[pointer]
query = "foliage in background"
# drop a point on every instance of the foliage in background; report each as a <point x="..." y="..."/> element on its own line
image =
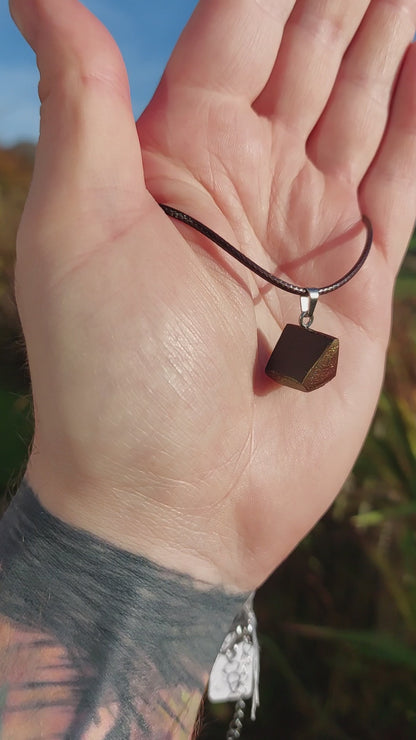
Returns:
<point x="15" y="408"/>
<point x="337" y="620"/>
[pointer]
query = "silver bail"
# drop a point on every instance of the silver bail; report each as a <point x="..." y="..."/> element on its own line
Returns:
<point x="307" y="307"/>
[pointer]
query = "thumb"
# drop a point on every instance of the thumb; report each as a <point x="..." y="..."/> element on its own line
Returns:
<point x="88" y="154"/>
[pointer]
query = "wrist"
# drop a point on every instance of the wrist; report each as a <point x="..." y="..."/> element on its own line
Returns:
<point x="140" y="524"/>
<point x="141" y="638"/>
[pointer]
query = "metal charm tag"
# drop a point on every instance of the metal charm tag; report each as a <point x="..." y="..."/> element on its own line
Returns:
<point x="235" y="674"/>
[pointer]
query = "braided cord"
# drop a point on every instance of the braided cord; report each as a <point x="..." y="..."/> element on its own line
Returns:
<point x="254" y="267"/>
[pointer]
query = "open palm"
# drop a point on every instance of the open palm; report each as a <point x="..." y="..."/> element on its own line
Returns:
<point x="276" y="124"/>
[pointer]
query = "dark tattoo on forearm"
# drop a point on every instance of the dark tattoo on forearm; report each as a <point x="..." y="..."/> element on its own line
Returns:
<point x="95" y="642"/>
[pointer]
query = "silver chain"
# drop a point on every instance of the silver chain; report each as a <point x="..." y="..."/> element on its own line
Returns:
<point x="236" y="724"/>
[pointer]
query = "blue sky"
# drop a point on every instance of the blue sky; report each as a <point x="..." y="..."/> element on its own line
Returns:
<point x="145" y="30"/>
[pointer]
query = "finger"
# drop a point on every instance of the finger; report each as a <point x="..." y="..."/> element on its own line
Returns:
<point x="88" y="140"/>
<point x="349" y="132"/>
<point x="230" y="46"/>
<point x="388" y="192"/>
<point x="315" y="39"/>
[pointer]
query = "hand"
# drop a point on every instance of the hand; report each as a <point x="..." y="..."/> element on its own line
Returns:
<point x="276" y="123"/>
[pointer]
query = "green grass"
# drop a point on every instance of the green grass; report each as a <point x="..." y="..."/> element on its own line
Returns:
<point x="15" y="435"/>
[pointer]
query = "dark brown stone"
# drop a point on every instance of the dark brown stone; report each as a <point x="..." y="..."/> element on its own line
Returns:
<point x="303" y="359"/>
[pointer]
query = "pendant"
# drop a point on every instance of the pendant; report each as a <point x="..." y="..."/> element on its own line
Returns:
<point x="304" y="359"/>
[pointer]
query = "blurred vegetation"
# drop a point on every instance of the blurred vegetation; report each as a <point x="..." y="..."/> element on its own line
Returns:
<point x="15" y="408"/>
<point x="337" y="620"/>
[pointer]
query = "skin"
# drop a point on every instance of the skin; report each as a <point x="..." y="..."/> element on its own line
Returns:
<point x="277" y="124"/>
<point x="40" y="700"/>
<point x="97" y="643"/>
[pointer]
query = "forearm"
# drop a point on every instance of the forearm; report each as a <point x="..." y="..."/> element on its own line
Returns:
<point x="96" y="642"/>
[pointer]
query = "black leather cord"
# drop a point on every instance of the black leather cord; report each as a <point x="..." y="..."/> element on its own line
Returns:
<point x="254" y="267"/>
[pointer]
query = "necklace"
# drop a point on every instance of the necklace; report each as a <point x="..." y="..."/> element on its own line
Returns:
<point x="302" y="358"/>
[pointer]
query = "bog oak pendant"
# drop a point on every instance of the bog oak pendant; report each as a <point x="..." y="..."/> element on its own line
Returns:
<point x="304" y="359"/>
